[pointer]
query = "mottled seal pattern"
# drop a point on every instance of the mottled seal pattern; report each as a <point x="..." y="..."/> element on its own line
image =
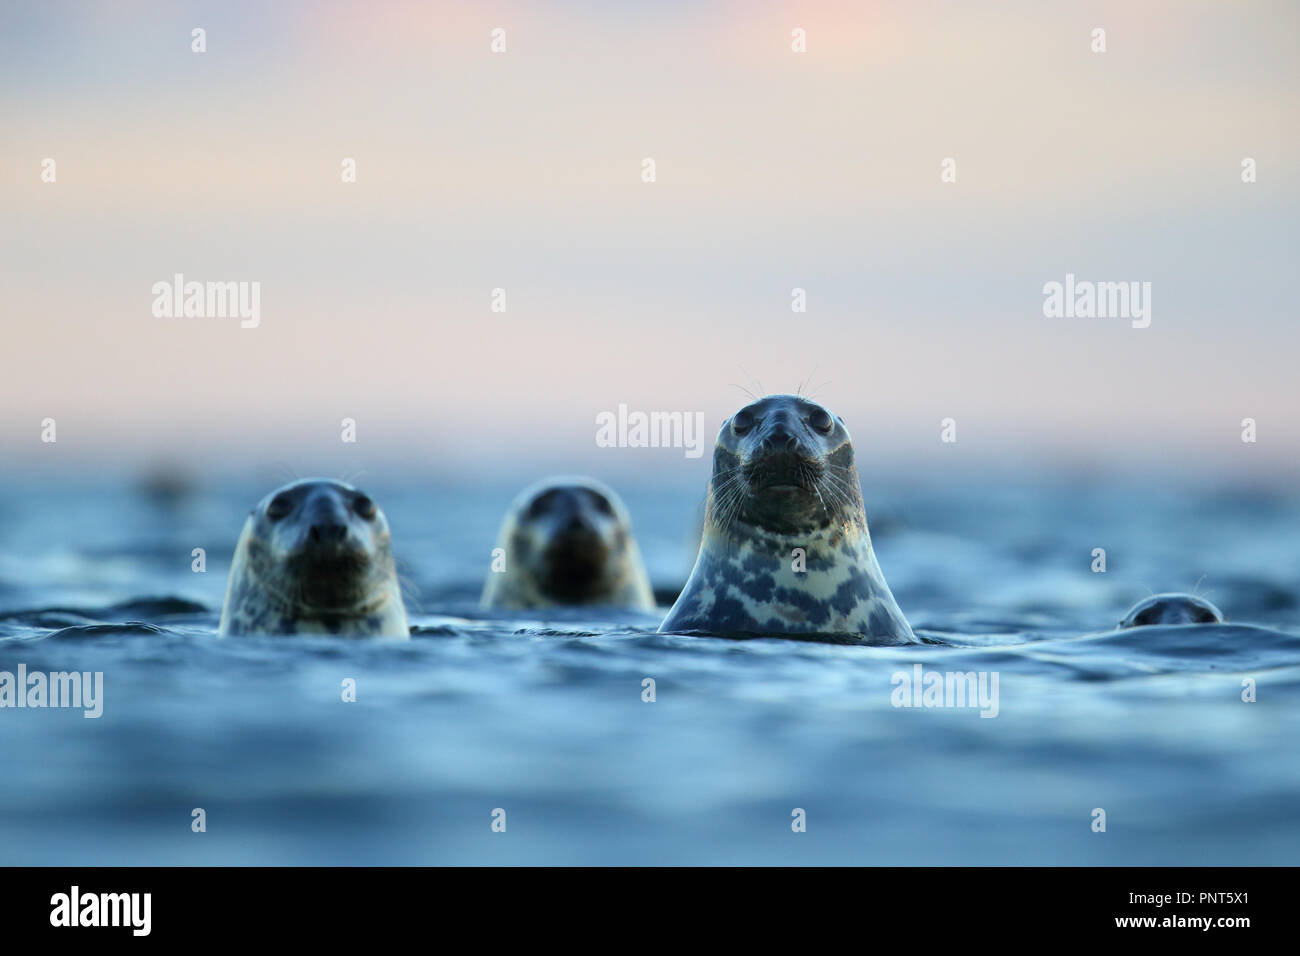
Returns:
<point x="784" y="478"/>
<point x="315" y="557"/>
<point x="568" y="541"/>
<point x="1172" y="609"/>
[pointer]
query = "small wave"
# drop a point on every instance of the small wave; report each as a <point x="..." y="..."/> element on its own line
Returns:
<point x="122" y="612"/>
<point x="96" y="631"/>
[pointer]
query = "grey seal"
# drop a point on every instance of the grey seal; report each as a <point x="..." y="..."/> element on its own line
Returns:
<point x="1172" y="609"/>
<point x="315" y="557"/>
<point x="786" y="550"/>
<point x="568" y="541"/>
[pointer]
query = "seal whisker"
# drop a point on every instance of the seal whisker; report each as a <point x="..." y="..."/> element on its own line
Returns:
<point x="848" y="484"/>
<point x="838" y="494"/>
<point x="822" y="500"/>
<point x="843" y="482"/>
<point x="735" y="482"/>
<point x="804" y="383"/>
<point x="284" y="472"/>
<point x="751" y="378"/>
<point x="839" y="483"/>
<point x="729" y="502"/>
<point x="814" y="392"/>
<point x="407" y="587"/>
<point x="745" y="390"/>
<point x="731" y="481"/>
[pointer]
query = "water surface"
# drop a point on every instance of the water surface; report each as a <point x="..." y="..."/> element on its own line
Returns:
<point x="543" y="716"/>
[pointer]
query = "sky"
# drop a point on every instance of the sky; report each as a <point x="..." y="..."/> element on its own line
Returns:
<point x="523" y="170"/>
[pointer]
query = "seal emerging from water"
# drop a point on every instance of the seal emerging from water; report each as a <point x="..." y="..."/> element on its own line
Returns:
<point x="314" y="557"/>
<point x="786" y="550"/>
<point x="1172" y="609"/>
<point x="568" y="541"/>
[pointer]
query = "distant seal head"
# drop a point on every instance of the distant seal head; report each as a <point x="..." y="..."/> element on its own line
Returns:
<point x="1172" y="609"/>
<point x="567" y="541"/>
<point x="315" y="557"/>
<point x="785" y="549"/>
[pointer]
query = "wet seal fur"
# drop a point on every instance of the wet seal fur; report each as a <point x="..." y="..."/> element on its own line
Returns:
<point x="1172" y="609"/>
<point x="568" y="542"/>
<point x="784" y="478"/>
<point x="315" y="557"/>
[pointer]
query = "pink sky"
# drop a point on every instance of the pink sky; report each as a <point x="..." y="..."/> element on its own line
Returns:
<point x="522" y="171"/>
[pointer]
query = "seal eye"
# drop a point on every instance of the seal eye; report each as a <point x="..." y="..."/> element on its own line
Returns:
<point x="539" y="505"/>
<point x="364" y="507"/>
<point x="821" y="420"/>
<point x="602" y="504"/>
<point x="742" y="422"/>
<point x="279" y="507"/>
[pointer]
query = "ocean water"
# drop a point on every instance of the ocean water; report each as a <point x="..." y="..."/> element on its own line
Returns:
<point x="542" y="715"/>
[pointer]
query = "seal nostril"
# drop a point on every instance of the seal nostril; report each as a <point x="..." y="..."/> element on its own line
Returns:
<point x="327" y="533"/>
<point x="780" y="440"/>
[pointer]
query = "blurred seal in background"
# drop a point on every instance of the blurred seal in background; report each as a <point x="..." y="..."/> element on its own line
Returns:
<point x="567" y="541"/>
<point x="315" y="557"/>
<point x="1172" y="609"/>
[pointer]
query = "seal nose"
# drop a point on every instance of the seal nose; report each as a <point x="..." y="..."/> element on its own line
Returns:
<point x="328" y="531"/>
<point x="780" y="438"/>
<point x="329" y="522"/>
<point x="577" y="523"/>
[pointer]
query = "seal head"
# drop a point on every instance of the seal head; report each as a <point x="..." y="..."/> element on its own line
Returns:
<point x="785" y="549"/>
<point x="1172" y="609"/>
<point x="568" y="541"/>
<point x="315" y="557"/>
